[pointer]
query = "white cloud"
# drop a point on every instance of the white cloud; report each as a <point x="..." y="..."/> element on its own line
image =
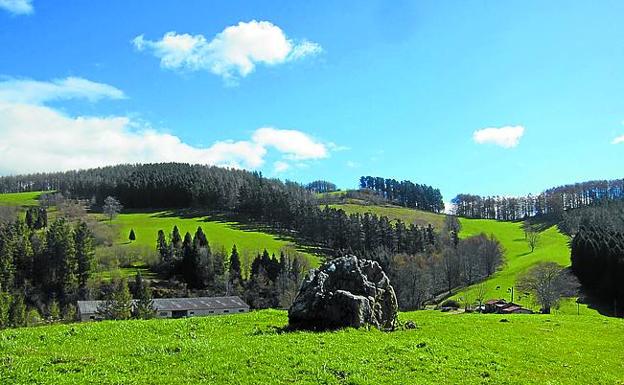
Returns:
<point x="37" y="138"/>
<point x="232" y="53"/>
<point x="352" y="164"/>
<point x="618" y="140"/>
<point x="17" y="7"/>
<point x="38" y="92"/>
<point x="506" y="137"/>
<point x="294" y="144"/>
<point x="280" y="166"/>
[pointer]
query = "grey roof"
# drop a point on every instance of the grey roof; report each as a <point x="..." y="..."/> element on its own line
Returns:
<point x="171" y="304"/>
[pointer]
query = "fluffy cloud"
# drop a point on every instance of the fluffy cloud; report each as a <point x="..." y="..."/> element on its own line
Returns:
<point x="506" y="137"/>
<point x="232" y="53"/>
<point x="38" y="92"/>
<point x="618" y="140"/>
<point x="294" y="144"/>
<point x="17" y="7"/>
<point x="39" y="138"/>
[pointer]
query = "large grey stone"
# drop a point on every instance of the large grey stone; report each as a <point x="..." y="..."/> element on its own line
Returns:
<point x="345" y="292"/>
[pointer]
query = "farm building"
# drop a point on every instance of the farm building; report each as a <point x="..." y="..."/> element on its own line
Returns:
<point x="175" y="307"/>
<point x="500" y="306"/>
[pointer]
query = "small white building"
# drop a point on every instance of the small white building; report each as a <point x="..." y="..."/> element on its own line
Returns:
<point x="175" y="307"/>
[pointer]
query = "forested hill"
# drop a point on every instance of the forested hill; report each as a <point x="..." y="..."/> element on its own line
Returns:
<point x="165" y="185"/>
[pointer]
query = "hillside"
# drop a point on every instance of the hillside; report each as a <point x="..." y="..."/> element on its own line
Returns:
<point x="222" y="233"/>
<point x="249" y="349"/>
<point x="417" y="217"/>
<point x="553" y="246"/>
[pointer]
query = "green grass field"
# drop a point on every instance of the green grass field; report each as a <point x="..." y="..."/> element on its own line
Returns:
<point x="247" y="349"/>
<point x="220" y="233"/>
<point x="552" y="247"/>
<point x="417" y="217"/>
<point x="20" y="199"/>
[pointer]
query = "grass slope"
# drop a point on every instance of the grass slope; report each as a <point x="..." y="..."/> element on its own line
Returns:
<point x="247" y="349"/>
<point x="417" y="217"/>
<point x="220" y="233"/>
<point x="20" y="199"/>
<point x="552" y="247"/>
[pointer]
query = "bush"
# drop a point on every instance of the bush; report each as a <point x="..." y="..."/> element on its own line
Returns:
<point x="450" y="303"/>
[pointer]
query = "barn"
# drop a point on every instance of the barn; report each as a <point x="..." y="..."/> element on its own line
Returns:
<point x="176" y="307"/>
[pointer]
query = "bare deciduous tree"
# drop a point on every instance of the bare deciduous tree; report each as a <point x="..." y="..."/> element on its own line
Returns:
<point x="111" y="207"/>
<point x="548" y="282"/>
<point x="532" y="238"/>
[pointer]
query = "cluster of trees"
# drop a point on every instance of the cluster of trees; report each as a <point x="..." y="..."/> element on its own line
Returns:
<point x="43" y="270"/>
<point x="270" y="282"/>
<point x="191" y="259"/>
<point x="321" y="186"/>
<point x="36" y="218"/>
<point x="405" y="193"/>
<point x="598" y="262"/>
<point x="443" y="266"/>
<point x="553" y="202"/>
<point x="362" y="233"/>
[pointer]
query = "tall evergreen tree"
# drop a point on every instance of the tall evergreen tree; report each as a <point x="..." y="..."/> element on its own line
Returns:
<point x="85" y="255"/>
<point x="144" y="308"/>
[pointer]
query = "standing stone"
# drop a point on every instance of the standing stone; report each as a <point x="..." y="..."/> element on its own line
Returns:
<point x="345" y="292"/>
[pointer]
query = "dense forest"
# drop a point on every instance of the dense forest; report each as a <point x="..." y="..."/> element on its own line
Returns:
<point x="598" y="262"/>
<point x="44" y="269"/>
<point x="552" y="202"/>
<point x="405" y="193"/>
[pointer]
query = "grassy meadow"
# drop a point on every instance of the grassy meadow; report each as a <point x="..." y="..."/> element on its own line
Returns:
<point x="249" y="349"/>
<point x="518" y="258"/>
<point x="20" y="199"/>
<point x="221" y="233"/>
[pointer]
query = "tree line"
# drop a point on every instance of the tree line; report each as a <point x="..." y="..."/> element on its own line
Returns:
<point x="321" y="186"/>
<point x="405" y="193"/>
<point x="553" y="202"/>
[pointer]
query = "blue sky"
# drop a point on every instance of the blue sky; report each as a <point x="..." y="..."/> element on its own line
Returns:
<point x="484" y="97"/>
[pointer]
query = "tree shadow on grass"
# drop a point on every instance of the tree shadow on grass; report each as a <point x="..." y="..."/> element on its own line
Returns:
<point x="244" y="223"/>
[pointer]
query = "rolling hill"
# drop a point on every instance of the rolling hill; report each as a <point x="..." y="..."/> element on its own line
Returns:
<point x="252" y="349"/>
<point x="553" y="246"/>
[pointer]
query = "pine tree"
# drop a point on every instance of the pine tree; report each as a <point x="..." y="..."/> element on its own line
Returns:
<point x="176" y="239"/>
<point x="132" y="236"/>
<point x="163" y="248"/>
<point x="62" y="275"/>
<point x="7" y="267"/>
<point x="118" y="305"/>
<point x="5" y="306"/>
<point x="17" y="312"/>
<point x="30" y="221"/>
<point x="144" y="308"/>
<point x="54" y="312"/>
<point x="85" y="254"/>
